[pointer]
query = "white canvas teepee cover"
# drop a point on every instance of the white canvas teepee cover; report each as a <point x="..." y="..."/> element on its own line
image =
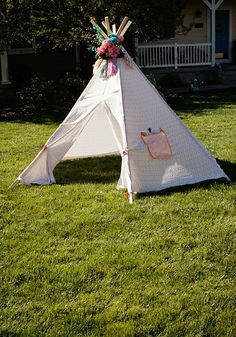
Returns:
<point x="108" y="117"/>
<point x="94" y="126"/>
<point x="145" y="108"/>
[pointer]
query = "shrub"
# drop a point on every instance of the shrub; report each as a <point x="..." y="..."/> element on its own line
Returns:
<point x="154" y="80"/>
<point x="37" y="92"/>
<point x="71" y="86"/>
<point x="40" y="91"/>
<point x="172" y="81"/>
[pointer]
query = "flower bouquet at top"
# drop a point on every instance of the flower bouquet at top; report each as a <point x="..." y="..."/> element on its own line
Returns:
<point x="109" y="50"/>
<point x="110" y="47"/>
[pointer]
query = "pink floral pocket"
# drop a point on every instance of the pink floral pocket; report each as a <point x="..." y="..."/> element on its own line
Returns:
<point x="158" y="145"/>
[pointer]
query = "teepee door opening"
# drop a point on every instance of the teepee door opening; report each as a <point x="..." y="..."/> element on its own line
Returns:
<point x="96" y="137"/>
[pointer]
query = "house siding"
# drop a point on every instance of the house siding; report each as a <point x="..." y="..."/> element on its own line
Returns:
<point x="231" y="4"/>
<point x="201" y="35"/>
<point x="234" y="21"/>
<point x="194" y="35"/>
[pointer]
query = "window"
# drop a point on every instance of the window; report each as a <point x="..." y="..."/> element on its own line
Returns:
<point x="198" y="25"/>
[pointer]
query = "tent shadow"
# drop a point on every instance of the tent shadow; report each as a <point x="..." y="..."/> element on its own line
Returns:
<point x="184" y="188"/>
<point x="228" y="167"/>
<point x="36" y="118"/>
<point x="106" y="169"/>
<point x="4" y="333"/>
<point x="203" y="101"/>
<point x="94" y="170"/>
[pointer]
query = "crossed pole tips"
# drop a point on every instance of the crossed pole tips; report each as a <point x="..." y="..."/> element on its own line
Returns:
<point x="124" y="26"/>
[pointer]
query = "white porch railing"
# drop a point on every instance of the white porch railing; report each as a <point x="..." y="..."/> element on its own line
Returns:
<point x="174" y="55"/>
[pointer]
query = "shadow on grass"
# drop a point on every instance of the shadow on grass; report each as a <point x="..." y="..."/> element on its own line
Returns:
<point x="229" y="168"/>
<point x="184" y="188"/>
<point x="95" y="170"/>
<point x="202" y="103"/>
<point x="102" y="170"/>
<point x="4" y="333"/>
<point x="48" y="115"/>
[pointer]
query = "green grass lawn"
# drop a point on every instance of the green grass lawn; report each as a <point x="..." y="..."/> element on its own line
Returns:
<point x="78" y="260"/>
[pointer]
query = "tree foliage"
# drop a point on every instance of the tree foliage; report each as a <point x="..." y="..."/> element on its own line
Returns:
<point x="16" y="22"/>
<point x="61" y="23"/>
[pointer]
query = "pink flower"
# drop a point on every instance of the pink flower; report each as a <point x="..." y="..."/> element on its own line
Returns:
<point x="101" y="50"/>
<point x="113" y="51"/>
<point x="121" y="38"/>
<point x="108" y="43"/>
<point x="108" y="48"/>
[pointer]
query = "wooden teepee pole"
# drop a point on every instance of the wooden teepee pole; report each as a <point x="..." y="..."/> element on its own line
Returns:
<point x="122" y="25"/>
<point x="124" y="30"/>
<point x="98" y="28"/>
<point x="108" y="25"/>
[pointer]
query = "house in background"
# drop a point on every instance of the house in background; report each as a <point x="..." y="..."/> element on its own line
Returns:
<point x="207" y="38"/>
<point x="18" y="63"/>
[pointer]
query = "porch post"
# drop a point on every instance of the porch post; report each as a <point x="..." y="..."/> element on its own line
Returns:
<point x="213" y="33"/>
<point x="77" y="56"/>
<point x="176" y="55"/>
<point x="4" y="68"/>
<point x="213" y="5"/>
<point x="136" y="50"/>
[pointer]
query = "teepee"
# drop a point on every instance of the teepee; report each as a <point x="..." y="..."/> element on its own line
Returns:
<point x="120" y="111"/>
